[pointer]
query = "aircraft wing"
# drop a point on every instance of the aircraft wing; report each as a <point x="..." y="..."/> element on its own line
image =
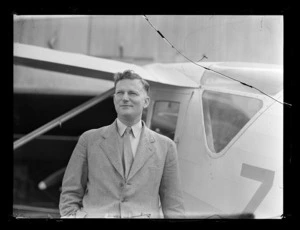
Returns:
<point x="87" y="66"/>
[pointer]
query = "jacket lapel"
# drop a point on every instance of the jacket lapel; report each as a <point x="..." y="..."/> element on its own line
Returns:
<point x="144" y="151"/>
<point x="111" y="146"/>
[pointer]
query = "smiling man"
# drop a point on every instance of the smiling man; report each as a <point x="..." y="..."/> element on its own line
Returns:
<point x="124" y="170"/>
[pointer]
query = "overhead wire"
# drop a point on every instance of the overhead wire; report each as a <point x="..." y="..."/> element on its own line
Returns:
<point x="243" y="83"/>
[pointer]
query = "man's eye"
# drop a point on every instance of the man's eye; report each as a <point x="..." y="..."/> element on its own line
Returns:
<point x="133" y="93"/>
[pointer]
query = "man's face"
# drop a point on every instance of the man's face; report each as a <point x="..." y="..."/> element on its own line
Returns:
<point x="130" y="99"/>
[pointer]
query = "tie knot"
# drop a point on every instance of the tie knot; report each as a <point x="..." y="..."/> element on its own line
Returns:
<point x="128" y="130"/>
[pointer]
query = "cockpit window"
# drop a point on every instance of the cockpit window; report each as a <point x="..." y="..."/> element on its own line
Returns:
<point x="164" y="118"/>
<point x="225" y="115"/>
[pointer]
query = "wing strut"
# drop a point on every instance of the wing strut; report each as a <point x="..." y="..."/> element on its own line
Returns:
<point x="59" y="120"/>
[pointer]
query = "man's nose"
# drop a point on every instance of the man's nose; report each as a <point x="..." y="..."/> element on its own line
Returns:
<point x="125" y="97"/>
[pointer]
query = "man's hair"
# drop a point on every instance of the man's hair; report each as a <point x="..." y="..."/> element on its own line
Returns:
<point x="129" y="74"/>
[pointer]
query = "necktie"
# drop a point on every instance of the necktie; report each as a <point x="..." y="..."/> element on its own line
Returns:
<point x="127" y="152"/>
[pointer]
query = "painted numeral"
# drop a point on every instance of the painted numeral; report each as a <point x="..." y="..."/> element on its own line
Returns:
<point x="265" y="176"/>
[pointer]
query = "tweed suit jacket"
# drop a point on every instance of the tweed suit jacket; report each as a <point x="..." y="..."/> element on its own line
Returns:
<point x="94" y="185"/>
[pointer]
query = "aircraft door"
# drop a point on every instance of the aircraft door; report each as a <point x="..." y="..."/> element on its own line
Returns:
<point x="166" y="111"/>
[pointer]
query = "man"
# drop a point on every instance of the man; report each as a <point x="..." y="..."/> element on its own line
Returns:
<point x="120" y="172"/>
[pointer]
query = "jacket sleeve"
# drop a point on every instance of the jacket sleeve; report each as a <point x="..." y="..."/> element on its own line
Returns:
<point x="170" y="190"/>
<point x="74" y="180"/>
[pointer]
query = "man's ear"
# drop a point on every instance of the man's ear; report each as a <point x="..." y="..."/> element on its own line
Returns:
<point x="147" y="102"/>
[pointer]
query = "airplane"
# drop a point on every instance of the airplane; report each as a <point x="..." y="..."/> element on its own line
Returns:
<point x="229" y="136"/>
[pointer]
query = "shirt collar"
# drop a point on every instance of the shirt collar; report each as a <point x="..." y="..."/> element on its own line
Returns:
<point x="136" y="129"/>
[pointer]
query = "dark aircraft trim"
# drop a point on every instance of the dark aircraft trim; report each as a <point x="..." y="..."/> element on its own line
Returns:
<point x="62" y="68"/>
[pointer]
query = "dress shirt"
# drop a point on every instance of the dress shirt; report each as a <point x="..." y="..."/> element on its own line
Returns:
<point x="136" y="131"/>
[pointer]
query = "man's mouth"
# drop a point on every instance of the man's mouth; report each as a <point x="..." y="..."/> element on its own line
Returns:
<point x="126" y="106"/>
